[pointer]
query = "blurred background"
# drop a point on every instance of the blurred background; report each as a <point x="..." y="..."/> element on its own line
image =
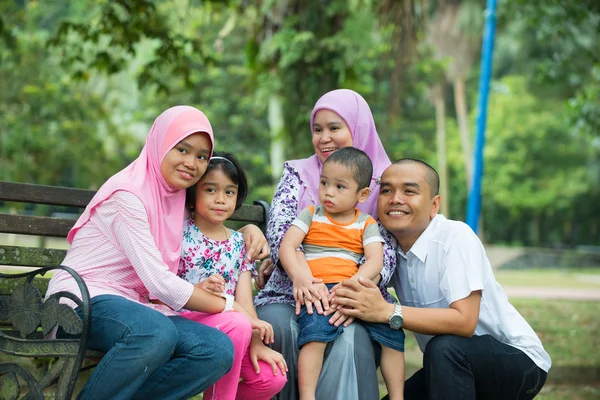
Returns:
<point x="81" y="83"/>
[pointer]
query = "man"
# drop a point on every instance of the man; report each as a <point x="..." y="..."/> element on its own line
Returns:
<point x="475" y="343"/>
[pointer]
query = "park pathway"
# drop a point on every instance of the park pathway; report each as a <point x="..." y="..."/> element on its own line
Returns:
<point x="525" y="292"/>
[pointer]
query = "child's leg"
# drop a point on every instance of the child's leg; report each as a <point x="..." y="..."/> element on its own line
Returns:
<point x="392" y="369"/>
<point x="310" y="362"/>
<point x="261" y="386"/>
<point x="239" y="330"/>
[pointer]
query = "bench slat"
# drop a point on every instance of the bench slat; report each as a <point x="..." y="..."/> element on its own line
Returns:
<point x="34" y="225"/>
<point x="31" y="256"/>
<point x="42" y="194"/>
<point x="59" y="227"/>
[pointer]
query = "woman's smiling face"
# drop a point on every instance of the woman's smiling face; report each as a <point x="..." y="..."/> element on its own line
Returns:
<point x="329" y="133"/>
<point x="186" y="162"/>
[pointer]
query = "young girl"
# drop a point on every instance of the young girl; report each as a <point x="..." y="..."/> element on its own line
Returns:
<point x="213" y="258"/>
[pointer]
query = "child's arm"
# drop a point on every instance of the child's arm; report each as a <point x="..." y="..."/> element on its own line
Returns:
<point x="374" y="262"/>
<point x="243" y="303"/>
<point x="299" y="274"/>
<point x="258" y="350"/>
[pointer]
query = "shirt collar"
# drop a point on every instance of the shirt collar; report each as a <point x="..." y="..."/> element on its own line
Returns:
<point x="419" y="248"/>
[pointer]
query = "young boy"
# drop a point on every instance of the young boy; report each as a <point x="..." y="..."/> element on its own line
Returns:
<point x="335" y="235"/>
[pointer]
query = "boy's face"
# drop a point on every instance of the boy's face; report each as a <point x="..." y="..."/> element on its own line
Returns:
<point x="338" y="191"/>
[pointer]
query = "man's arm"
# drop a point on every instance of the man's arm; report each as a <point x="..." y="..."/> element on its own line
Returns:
<point x="364" y="300"/>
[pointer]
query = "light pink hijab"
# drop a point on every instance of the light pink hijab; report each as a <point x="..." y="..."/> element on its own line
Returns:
<point x="356" y="113"/>
<point x="164" y="205"/>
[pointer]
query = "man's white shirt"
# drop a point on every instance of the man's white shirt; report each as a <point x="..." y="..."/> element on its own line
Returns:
<point x="446" y="264"/>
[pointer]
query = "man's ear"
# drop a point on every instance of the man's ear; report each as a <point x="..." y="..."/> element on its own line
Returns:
<point x="435" y="206"/>
<point x="363" y="194"/>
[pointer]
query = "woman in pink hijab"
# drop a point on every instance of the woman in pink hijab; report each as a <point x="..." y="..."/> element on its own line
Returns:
<point x="126" y="247"/>
<point x="339" y="119"/>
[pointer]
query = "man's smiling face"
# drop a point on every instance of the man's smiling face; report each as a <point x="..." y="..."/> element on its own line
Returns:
<point x="405" y="204"/>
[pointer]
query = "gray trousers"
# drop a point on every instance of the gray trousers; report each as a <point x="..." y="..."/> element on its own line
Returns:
<point x="349" y="368"/>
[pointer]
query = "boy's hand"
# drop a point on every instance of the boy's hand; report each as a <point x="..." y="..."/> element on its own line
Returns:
<point x="305" y="292"/>
<point x="321" y="305"/>
<point x="258" y="351"/>
<point x="214" y="284"/>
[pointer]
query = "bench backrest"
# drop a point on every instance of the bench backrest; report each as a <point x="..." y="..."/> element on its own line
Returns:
<point x="19" y="256"/>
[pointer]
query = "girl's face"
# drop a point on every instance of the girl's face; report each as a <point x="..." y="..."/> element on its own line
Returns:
<point x="216" y="196"/>
<point x="185" y="163"/>
<point x="330" y="133"/>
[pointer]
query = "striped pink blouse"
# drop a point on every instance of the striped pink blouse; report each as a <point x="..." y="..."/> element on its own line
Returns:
<point x="115" y="253"/>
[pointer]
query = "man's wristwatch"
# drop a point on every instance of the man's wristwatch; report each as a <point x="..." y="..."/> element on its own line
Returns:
<point x="396" y="319"/>
<point x="228" y="302"/>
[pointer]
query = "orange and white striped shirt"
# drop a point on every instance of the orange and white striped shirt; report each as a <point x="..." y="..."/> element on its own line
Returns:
<point x="334" y="250"/>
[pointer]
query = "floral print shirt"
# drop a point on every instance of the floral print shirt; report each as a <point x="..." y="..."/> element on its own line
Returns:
<point x="202" y="257"/>
<point x="284" y="208"/>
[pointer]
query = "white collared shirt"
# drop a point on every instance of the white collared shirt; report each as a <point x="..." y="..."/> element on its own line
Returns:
<point x="446" y="264"/>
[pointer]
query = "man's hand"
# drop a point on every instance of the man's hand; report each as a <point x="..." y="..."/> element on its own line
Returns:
<point x="362" y="300"/>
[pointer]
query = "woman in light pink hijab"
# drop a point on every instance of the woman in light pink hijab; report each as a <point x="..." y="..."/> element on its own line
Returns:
<point x="126" y="247"/>
<point x="340" y="118"/>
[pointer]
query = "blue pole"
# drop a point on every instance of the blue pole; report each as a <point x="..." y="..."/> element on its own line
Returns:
<point x="474" y="202"/>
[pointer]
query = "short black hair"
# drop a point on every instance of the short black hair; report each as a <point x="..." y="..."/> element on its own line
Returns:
<point x="432" y="178"/>
<point x="358" y="161"/>
<point x="232" y="169"/>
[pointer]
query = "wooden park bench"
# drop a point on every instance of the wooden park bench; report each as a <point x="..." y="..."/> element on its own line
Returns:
<point x="25" y="318"/>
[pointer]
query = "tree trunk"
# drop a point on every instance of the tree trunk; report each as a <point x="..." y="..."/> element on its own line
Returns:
<point x="276" y="124"/>
<point x="460" y="104"/>
<point x="437" y="97"/>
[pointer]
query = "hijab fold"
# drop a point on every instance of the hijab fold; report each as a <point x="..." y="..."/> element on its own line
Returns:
<point x="355" y="111"/>
<point x="143" y="178"/>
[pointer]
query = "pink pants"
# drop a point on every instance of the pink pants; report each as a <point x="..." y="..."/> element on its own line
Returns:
<point x="261" y="386"/>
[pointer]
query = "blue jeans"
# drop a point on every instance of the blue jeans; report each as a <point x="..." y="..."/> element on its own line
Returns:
<point x="479" y="367"/>
<point x="152" y="356"/>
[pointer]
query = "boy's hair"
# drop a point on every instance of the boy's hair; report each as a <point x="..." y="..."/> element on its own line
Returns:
<point x="357" y="161"/>
<point x="231" y="167"/>
<point x="432" y="178"/>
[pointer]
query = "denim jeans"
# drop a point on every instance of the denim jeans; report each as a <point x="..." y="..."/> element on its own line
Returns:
<point x="152" y="356"/>
<point x="479" y="367"/>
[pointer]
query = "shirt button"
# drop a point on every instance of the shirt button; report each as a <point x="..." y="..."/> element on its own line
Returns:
<point x="412" y="280"/>
<point x="410" y="264"/>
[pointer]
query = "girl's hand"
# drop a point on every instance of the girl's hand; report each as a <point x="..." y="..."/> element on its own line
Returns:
<point x="257" y="247"/>
<point x="265" y="269"/>
<point x="214" y="284"/>
<point x="258" y="351"/>
<point x="264" y="329"/>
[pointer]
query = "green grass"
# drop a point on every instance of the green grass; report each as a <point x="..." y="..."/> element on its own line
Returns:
<point x="577" y="278"/>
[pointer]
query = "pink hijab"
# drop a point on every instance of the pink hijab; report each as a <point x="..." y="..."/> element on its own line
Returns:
<point x="164" y="205"/>
<point x="356" y="113"/>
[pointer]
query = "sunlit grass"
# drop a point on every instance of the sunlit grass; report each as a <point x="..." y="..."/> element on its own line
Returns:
<point x="582" y="278"/>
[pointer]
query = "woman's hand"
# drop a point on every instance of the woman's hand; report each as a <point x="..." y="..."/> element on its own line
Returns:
<point x="265" y="269"/>
<point x="264" y="329"/>
<point x="257" y="247"/>
<point x="258" y="351"/>
<point x="214" y="284"/>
